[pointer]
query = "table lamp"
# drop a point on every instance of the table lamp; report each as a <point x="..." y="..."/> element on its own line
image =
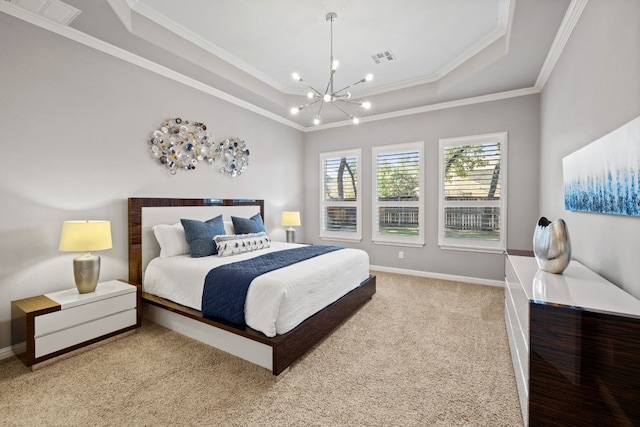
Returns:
<point x="86" y="236"/>
<point x="290" y="219"/>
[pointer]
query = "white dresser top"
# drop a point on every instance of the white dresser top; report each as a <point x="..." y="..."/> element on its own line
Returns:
<point x="577" y="287"/>
<point x="71" y="297"/>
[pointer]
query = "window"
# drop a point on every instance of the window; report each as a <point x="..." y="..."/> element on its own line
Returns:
<point x="398" y="183"/>
<point x="472" y="207"/>
<point x="340" y="201"/>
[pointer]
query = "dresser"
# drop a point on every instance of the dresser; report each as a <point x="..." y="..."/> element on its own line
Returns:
<point x="49" y="325"/>
<point x="575" y="345"/>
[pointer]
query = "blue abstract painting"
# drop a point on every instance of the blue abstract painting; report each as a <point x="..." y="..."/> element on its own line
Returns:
<point x="604" y="176"/>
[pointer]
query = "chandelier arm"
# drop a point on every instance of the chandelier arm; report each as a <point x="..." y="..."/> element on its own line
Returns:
<point x="332" y="70"/>
<point x="310" y="87"/>
<point x="308" y="104"/>
<point x="358" y="103"/>
<point x="329" y="88"/>
<point x="346" y="114"/>
<point x="350" y="86"/>
<point x="318" y="94"/>
<point x="320" y="109"/>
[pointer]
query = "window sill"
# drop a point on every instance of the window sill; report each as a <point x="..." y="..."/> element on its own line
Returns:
<point x="405" y="244"/>
<point x="340" y="239"/>
<point x="473" y="249"/>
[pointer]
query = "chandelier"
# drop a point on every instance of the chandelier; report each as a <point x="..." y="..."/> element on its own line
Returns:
<point x="331" y="96"/>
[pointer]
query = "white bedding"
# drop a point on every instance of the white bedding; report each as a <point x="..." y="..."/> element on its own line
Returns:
<point x="277" y="301"/>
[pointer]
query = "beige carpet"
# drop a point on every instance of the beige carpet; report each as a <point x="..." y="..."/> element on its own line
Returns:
<point x="422" y="352"/>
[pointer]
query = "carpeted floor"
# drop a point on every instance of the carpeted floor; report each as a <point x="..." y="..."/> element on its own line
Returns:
<point x="422" y="352"/>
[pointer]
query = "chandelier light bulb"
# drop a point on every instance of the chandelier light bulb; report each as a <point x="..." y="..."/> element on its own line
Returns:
<point x="355" y="120"/>
<point x="327" y="97"/>
<point x="295" y="110"/>
<point x="368" y="77"/>
<point x="316" y="120"/>
<point x="366" y="105"/>
<point x="296" y="77"/>
<point x="310" y="95"/>
<point x="335" y="64"/>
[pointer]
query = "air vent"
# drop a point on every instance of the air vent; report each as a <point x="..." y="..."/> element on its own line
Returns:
<point x="381" y="57"/>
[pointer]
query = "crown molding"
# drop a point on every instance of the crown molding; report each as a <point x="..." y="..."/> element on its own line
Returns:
<point x="562" y="36"/>
<point x="503" y="28"/>
<point x="104" y="47"/>
<point x="201" y="42"/>
<point x="432" y="107"/>
<point x="72" y="34"/>
<point x="452" y="65"/>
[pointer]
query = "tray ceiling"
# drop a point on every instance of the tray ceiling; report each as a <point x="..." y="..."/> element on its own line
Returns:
<point x="421" y="52"/>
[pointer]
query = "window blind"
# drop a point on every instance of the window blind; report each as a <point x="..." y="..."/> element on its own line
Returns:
<point x="472" y="206"/>
<point x="340" y="206"/>
<point x="397" y="213"/>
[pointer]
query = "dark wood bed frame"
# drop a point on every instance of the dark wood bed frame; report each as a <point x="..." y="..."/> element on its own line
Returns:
<point x="286" y="348"/>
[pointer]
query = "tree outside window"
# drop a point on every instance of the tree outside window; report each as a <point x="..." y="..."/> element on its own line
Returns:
<point x="472" y="208"/>
<point x="340" y="204"/>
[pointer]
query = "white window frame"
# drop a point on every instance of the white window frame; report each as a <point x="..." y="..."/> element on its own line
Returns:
<point x="498" y="246"/>
<point x="342" y="235"/>
<point x="397" y="240"/>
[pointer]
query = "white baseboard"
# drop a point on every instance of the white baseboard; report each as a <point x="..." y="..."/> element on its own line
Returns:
<point x="7" y="352"/>
<point x="476" y="280"/>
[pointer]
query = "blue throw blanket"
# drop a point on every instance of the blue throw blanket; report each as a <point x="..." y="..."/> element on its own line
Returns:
<point x="226" y="287"/>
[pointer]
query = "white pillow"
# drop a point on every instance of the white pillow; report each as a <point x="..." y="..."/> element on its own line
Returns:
<point x="172" y="239"/>
<point x="240" y="243"/>
<point x="228" y="227"/>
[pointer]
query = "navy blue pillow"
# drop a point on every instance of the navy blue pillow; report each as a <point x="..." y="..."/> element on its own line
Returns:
<point x="200" y="235"/>
<point x="248" y="225"/>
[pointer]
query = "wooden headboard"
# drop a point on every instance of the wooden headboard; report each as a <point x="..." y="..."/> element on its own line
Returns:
<point x="146" y="212"/>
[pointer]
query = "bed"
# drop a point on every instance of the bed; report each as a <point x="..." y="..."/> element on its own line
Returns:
<point x="275" y="346"/>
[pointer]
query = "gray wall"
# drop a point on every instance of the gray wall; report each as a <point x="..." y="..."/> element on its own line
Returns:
<point x="594" y="89"/>
<point x="75" y="144"/>
<point x="518" y="116"/>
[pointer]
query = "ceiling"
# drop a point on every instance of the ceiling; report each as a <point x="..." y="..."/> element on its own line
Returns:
<point x="440" y="50"/>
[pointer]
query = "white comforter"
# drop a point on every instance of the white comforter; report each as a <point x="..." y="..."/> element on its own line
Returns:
<point x="277" y="301"/>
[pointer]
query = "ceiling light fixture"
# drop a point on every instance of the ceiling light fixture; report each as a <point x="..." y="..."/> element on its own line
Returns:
<point x="331" y="96"/>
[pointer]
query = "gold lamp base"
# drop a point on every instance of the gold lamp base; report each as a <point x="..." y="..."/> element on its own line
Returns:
<point x="86" y="271"/>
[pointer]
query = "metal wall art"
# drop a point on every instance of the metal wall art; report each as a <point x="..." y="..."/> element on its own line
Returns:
<point x="235" y="156"/>
<point x="179" y="144"/>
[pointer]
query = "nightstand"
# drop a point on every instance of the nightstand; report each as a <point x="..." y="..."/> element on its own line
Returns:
<point x="59" y="322"/>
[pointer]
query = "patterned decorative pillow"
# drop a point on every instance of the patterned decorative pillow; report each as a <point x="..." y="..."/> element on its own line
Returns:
<point x="240" y="243"/>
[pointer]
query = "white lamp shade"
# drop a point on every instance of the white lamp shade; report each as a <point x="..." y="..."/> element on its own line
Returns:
<point x="85" y="236"/>
<point x="290" y="219"/>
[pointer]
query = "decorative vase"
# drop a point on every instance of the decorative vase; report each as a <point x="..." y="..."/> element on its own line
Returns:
<point x="551" y="245"/>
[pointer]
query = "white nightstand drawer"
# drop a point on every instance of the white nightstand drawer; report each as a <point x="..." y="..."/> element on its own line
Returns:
<point x="63" y="319"/>
<point x="86" y="331"/>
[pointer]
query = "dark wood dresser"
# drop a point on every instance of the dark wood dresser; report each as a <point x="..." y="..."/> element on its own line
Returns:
<point x="575" y="344"/>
